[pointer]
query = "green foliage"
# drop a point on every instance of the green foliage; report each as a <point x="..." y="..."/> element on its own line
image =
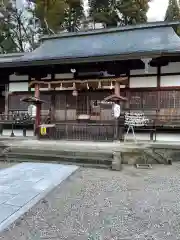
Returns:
<point x="17" y="34"/>
<point x="133" y="11"/>
<point x="73" y="15"/>
<point x="103" y="11"/>
<point x="173" y="14"/>
<point x="173" y="11"/>
<point x="50" y="14"/>
<point x="122" y="12"/>
<point x="58" y="15"/>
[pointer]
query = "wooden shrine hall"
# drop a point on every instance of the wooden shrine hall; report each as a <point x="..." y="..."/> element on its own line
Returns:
<point x="76" y="78"/>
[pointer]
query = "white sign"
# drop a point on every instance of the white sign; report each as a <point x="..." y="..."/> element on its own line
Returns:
<point x="116" y="110"/>
<point x="135" y="119"/>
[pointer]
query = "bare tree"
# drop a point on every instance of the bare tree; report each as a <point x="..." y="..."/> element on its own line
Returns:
<point x="19" y="32"/>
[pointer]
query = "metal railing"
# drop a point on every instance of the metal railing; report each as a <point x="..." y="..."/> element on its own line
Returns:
<point x="20" y="117"/>
<point x="82" y="131"/>
<point x="90" y="131"/>
<point x="19" y="120"/>
<point x="106" y="131"/>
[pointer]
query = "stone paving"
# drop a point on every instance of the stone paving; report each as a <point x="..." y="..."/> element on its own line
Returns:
<point x="23" y="185"/>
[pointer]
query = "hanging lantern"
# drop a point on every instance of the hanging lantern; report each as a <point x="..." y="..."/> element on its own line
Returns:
<point x="75" y="93"/>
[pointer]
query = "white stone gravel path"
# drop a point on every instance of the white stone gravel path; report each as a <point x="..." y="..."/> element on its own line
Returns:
<point x="23" y="185"/>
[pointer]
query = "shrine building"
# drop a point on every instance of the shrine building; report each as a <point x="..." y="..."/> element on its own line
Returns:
<point x="79" y="75"/>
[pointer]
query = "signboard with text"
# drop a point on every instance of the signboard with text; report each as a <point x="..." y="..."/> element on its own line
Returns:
<point x="135" y="119"/>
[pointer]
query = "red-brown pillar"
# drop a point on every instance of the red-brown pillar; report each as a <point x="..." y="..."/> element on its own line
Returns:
<point x="38" y="108"/>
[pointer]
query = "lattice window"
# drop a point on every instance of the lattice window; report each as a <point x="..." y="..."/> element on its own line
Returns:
<point x="60" y="101"/>
<point x="47" y="99"/>
<point x="169" y="99"/>
<point x="136" y="100"/>
<point x="150" y="100"/>
<point x="15" y="103"/>
<point x="71" y="101"/>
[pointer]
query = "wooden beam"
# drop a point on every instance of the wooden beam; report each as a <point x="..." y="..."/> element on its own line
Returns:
<point x="121" y="79"/>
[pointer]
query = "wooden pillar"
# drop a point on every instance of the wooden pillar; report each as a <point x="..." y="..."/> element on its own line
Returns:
<point x="119" y="123"/>
<point x="158" y="94"/>
<point x="6" y="108"/>
<point x="117" y="88"/>
<point x="38" y="108"/>
<point x="116" y="123"/>
<point x="52" y="107"/>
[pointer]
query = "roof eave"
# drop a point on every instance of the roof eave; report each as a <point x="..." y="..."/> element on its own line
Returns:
<point x="42" y="62"/>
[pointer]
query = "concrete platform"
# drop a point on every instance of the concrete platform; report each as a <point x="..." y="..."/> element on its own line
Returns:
<point x="85" y="146"/>
<point x="168" y="137"/>
<point x="23" y="185"/>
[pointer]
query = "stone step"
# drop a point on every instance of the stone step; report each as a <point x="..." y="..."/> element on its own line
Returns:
<point x="73" y="157"/>
<point x="58" y="159"/>
<point x="63" y="154"/>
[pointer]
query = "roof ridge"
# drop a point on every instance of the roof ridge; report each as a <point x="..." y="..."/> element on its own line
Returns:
<point x="110" y="30"/>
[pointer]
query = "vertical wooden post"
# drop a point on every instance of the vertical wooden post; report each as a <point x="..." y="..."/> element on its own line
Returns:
<point x="53" y="99"/>
<point x="52" y="107"/>
<point x="117" y="88"/>
<point x="116" y="129"/>
<point x="119" y="123"/>
<point x="38" y="108"/>
<point x="116" y="124"/>
<point x="6" y="109"/>
<point x="158" y="94"/>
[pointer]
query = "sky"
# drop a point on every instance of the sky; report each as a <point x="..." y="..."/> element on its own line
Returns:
<point x="157" y="10"/>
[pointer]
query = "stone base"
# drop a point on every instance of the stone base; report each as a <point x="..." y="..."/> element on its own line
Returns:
<point x="117" y="161"/>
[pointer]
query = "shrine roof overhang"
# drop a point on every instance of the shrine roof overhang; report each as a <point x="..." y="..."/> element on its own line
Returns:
<point x="9" y="58"/>
<point x="150" y="40"/>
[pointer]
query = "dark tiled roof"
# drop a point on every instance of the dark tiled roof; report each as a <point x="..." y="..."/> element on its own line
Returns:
<point x="148" y="40"/>
<point x="10" y="57"/>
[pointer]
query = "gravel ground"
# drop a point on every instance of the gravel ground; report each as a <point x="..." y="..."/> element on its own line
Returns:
<point x="102" y="204"/>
